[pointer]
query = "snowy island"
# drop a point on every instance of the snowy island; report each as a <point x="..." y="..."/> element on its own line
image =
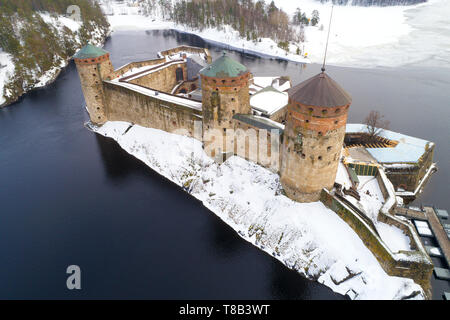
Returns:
<point x="272" y="168"/>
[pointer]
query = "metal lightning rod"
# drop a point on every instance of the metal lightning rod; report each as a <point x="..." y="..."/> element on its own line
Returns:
<point x="328" y="38"/>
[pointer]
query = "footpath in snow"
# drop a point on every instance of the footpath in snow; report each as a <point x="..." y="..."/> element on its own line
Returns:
<point x="307" y="237"/>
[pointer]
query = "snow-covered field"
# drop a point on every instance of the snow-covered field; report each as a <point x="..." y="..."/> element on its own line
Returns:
<point x="246" y="196"/>
<point x="360" y="36"/>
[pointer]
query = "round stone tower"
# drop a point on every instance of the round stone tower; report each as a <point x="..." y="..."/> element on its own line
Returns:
<point x="313" y="137"/>
<point x="225" y="93"/>
<point x="93" y="65"/>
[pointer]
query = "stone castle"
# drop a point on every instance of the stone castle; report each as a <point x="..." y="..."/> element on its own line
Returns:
<point x="181" y="87"/>
<point x="300" y="130"/>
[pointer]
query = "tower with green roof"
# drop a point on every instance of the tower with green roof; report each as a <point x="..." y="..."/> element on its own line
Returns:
<point x="225" y="92"/>
<point x="93" y="66"/>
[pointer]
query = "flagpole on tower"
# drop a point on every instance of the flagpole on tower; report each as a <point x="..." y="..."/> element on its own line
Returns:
<point x="328" y="38"/>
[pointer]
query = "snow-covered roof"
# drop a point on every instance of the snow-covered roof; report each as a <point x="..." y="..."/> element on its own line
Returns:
<point x="408" y="149"/>
<point x="279" y="83"/>
<point x="159" y="95"/>
<point x="269" y="100"/>
<point x="259" y="122"/>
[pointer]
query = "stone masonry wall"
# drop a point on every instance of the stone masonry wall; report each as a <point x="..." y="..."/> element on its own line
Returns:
<point x="123" y="104"/>
<point x="163" y="79"/>
<point x="417" y="269"/>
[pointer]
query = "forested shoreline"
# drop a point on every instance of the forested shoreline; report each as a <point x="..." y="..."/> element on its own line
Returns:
<point x="380" y="3"/>
<point x="32" y="33"/>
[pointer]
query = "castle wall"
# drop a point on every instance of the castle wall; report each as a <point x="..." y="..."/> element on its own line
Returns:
<point x="163" y="79"/>
<point x="222" y="98"/>
<point x="280" y="115"/>
<point x="123" y="104"/>
<point x="187" y="86"/>
<point x="418" y="267"/>
<point x="187" y="49"/>
<point x="409" y="178"/>
<point x="256" y="145"/>
<point x="132" y="65"/>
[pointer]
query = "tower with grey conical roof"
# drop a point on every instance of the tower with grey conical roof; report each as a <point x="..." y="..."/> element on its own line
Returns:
<point x="313" y="137"/>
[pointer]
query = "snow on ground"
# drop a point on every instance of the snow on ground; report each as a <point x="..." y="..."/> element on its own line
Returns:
<point x="246" y="196"/>
<point x="371" y="201"/>
<point x="60" y="21"/>
<point x="353" y="29"/>
<point x="6" y="70"/>
<point x="379" y="36"/>
<point x="342" y="176"/>
<point x="360" y="37"/>
<point x="395" y="238"/>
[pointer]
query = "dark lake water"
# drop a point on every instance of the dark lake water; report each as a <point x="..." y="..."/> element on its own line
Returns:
<point x="68" y="196"/>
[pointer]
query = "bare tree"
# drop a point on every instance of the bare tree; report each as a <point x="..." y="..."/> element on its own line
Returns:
<point x="375" y="123"/>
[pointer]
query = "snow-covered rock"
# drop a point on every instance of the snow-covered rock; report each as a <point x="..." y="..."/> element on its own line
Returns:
<point x="307" y="237"/>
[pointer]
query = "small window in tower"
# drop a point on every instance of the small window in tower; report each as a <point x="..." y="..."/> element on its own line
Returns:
<point x="235" y="89"/>
<point x="320" y="133"/>
<point x="223" y="81"/>
<point x="94" y="74"/>
<point x="232" y="99"/>
<point x="320" y="158"/>
<point x="224" y="129"/>
<point x="324" y="111"/>
<point x="98" y="108"/>
<point x="336" y="122"/>
<point x="328" y="149"/>
<point x="303" y="156"/>
<point x="289" y="149"/>
<point x="338" y="110"/>
<point x="310" y="109"/>
<point x="232" y="111"/>
<point x="307" y="121"/>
